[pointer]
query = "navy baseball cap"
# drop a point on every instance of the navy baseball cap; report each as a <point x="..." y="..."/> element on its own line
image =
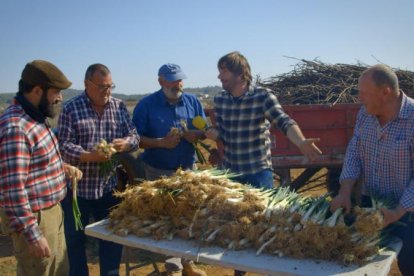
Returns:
<point x="171" y="72"/>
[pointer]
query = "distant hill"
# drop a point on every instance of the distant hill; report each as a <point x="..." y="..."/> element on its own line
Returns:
<point x="208" y="91"/>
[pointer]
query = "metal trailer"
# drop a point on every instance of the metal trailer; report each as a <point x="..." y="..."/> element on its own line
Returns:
<point x="334" y="126"/>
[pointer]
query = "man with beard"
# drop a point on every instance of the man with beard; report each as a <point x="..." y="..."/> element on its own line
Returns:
<point x="244" y="115"/>
<point x="84" y="121"/>
<point x="165" y="150"/>
<point x="32" y="174"/>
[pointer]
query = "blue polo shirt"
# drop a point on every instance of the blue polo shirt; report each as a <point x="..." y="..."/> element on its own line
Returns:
<point x="154" y="116"/>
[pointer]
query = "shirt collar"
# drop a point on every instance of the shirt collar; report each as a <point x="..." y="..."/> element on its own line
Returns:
<point x="250" y="92"/>
<point x="404" y="109"/>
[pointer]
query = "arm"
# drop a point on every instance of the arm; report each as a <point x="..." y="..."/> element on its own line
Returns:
<point x="406" y="203"/>
<point x="168" y="142"/>
<point x="393" y="215"/>
<point x="343" y="199"/>
<point x="15" y="164"/>
<point x="130" y="139"/>
<point x="275" y="114"/>
<point x="306" y="145"/>
<point x="351" y="172"/>
<point x="71" y="151"/>
<point x="141" y="120"/>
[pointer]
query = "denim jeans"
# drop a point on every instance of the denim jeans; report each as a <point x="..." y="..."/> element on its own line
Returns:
<point x="262" y="179"/>
<point x="109" y="253"/>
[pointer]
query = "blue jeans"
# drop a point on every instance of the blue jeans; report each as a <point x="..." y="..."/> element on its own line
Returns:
<point x="262" y="179"/>
<point x="109" y="253"/>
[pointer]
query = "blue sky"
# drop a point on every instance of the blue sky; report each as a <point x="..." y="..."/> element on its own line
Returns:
<point x="134" y="38"/>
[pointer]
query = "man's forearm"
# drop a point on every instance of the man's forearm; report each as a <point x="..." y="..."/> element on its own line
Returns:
<point x="147" y="143"/>
<point x="346" y="187"/>
<point x="295" y="135"/>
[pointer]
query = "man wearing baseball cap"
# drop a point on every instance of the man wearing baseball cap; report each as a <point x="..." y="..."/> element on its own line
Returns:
<point x="32" y="174"/>
<point x="164" y="150"/>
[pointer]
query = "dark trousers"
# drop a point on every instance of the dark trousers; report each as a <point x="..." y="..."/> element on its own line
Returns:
<point x="109" y="253"/>
<point x="406" y="233"/>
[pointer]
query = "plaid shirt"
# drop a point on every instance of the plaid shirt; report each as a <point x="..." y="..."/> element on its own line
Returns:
<point x="383" y="156"/>
<point x="31" y="171"/>
<point x="244" y="127"/>
<point x="81" y="129"/>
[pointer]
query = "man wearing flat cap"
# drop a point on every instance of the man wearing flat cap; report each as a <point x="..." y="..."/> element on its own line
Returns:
<point x="32" y="174"/>
<point x="155" y="116"/>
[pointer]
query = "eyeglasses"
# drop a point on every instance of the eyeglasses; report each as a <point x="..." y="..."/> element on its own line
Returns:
<point x="103" y="88"/>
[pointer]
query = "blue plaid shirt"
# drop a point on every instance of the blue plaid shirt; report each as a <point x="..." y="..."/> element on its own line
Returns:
<point x="383" y="156"/>
<point x="80" y="130"/>
<point x="244" y="127"/>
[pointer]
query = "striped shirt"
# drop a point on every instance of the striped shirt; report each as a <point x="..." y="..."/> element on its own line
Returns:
<point x="81" y="129"/>
<point x="383" y="156"/>
<point x="31" y="170"/>
<point x="244" y="127"/>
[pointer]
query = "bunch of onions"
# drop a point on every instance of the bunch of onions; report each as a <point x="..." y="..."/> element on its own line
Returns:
<point x="207" y="207"/>
<point x="107" y="168"/>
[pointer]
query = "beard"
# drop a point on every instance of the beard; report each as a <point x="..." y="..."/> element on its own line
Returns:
<point x="50" y="110"/>
<point x="173" y="93"/>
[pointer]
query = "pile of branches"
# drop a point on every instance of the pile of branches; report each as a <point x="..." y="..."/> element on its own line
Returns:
<point x="315" y="82"/>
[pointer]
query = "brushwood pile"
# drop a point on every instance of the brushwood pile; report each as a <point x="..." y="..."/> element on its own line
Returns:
<point x="315" y="82"/>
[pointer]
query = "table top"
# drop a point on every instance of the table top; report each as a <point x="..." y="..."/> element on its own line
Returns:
<point x="247" y="260"/>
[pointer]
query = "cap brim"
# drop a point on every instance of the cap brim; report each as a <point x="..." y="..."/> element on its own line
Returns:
<point x="175" y="77"/>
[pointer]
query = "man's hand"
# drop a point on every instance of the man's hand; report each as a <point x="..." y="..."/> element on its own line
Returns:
<point x="212" y="134"/>
<point x="72" y="172"/>
<point x="170" y="141"/>
<point x="121" y="145"/>
<point x="40" y="248"/>
<point x="192" y="136"/>
<point x="309" y="149"/>
<point x="392" y="215"/>
<point x="341" y="201"/>
<point x="214" y="157"/>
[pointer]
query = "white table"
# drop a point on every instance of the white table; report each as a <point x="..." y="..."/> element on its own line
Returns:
<point x="247" y="260"/>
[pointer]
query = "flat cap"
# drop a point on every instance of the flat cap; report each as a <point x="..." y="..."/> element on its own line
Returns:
<point x="42" y="72"/>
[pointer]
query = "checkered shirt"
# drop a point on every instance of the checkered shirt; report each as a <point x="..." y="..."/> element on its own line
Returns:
<point x="244" y="127"/>
<point x="383" y="156"/>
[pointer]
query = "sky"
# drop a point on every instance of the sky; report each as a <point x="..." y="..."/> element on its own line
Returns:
<point x="135" y="37"/>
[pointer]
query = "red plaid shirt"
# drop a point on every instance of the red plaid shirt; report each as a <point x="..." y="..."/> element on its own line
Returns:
<point x="31" y="170"/>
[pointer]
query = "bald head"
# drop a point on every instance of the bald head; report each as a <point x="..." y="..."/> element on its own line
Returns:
<point x="382" y="75"/>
